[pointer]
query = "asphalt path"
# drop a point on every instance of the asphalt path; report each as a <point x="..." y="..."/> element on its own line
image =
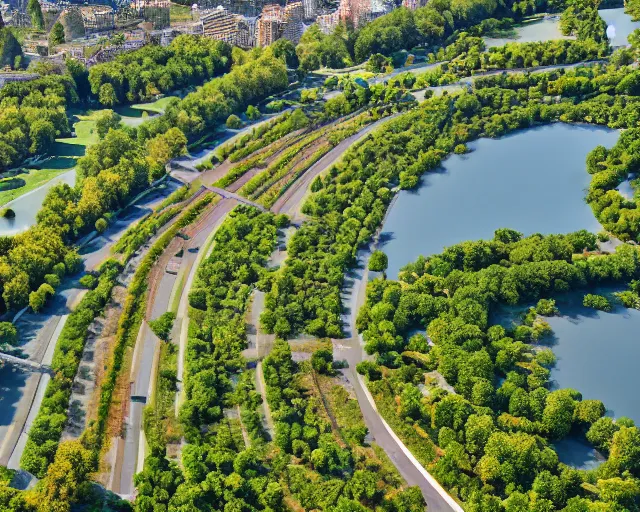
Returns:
<point x="37" y="330"/>
<point x="351" y="349"/>
<point x="147" y="345"/>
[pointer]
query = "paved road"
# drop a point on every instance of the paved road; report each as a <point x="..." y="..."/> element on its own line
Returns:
<point x="351" y="350"/>
<point x="38" y="329"/>
<point x="212" y="222"/>
<point x="147" y="346"/>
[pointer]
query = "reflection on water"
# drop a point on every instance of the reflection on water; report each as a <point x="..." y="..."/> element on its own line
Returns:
<point x="544" y="30"/>
<point x="597" y="354"/>
<point x="532" y="181"/>
<point x="578" y="453"/>
<point x="622" y="22"/>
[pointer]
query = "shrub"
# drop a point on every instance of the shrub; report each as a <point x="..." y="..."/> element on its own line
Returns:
<point x="8" y="333"/>
<point x="591" y="300"/>
<point x="52" y="280"/>
<point x="162" y="325"/>
<point x="546" y="307"/>
<point x="322" y="361"/>
<point x="234" y="122"/>
<point x="88" y="281"/>
<point x="101" y="225"/>
<point x="252" y="113"/>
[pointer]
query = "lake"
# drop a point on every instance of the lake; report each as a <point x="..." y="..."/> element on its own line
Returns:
<point x="597" y="354"/>
<point x="532" y="180"/>
<point x="622" y="22"/>
<point x="535" y="31"/>
<point x="27" y="206"/>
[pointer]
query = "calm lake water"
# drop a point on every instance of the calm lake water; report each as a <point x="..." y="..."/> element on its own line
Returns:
<point x="622" y="22"/>
<point x="533" y="181"/>
<point x="27" y="206"/>
<point x="543" y="30"/>
<point x="597" y="354"/>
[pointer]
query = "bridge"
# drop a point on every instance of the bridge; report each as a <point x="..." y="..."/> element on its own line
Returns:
<point x="26" y="364"/>
<point x="230" y="195"/>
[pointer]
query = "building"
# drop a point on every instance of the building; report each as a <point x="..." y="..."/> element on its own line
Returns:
<point x="413" y="4"/>
<point x="311" y="9"/>
<point x="292" y="24"/>
<point x="97" y="18"/>
<point x="328" y="22"/>
<point x="268" y="27"/>
<point x="219" y="24"/>
<point x="246" y="32"/>
<point x="226" y="26"/>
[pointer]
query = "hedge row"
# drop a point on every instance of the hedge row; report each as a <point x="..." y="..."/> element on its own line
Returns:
<point x="46" y="430"/>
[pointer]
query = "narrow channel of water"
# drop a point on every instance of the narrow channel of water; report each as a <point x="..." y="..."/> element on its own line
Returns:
<point x="533" y="181"/>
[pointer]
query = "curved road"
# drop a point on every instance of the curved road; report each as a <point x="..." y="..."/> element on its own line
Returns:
<point x="351" y="349"/>
<point x="353" y="297"/>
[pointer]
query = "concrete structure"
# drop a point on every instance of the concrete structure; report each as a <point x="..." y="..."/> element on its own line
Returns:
<point x="226" y="26"/>
<point x="268" y="27"/>
<point x="98" y="18"/>
<point x="8" y="77"/>
<point x="328" y="22"/>
<point x="219" y="24"/>
<point x="311" y="9"/>
<point x="292" y="23"/>
<point x="277" y="21"/>
<point x="413" y="4"/>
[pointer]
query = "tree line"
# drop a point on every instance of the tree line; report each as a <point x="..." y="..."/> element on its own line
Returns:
<point x="152" y="70"/>
<point x="120" y="166"/>
<point x="32" y="115"/>
<point x="435" y="26"/>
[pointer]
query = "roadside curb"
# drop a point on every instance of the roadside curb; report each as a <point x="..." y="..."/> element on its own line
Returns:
<point x="432" y="481"/>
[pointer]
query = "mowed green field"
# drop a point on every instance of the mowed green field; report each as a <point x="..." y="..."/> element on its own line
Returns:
<point x="158" y="106"/>
<point x="65" y="153"/>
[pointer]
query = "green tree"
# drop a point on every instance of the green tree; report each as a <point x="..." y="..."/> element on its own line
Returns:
<point x="56" y="36"/>
<point x="233" y="122"/>
<point x="163" y="325"/>
<point x="253" y="113"/>
<point x="557" y="417"/>
<point x="101" y="225"/>
<point x="35" y="12"/>
<point x="16" y="292"/>
<point x="8" y="333"/>
<point x="107" y="95"/>
<point x="168" y="145"/>
<point x="378" y="262"/>
<point x="322" y="361"/>
<point x="42" y="134"/>
<point x="10" y="49"/>
<point x="105" y="121"/>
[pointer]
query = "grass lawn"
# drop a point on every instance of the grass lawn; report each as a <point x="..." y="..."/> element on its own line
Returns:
<point x="158" y="106"/>
<point x="33" y="180"/>
<point x="180" y="13"/>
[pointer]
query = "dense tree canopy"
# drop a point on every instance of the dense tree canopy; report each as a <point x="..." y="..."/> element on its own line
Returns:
<point x="142" y="74"/>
